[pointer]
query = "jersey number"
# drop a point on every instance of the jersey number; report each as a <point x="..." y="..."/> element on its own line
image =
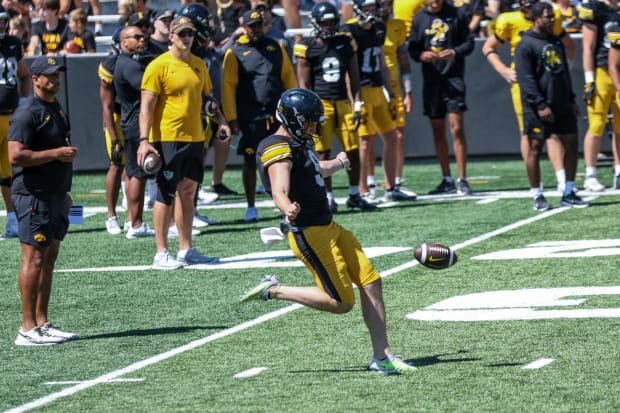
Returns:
<point x="371" y="62"/>
<point x="331" y="69"/>
<point x="317" y="167"/>
<point x="8" y="72"/>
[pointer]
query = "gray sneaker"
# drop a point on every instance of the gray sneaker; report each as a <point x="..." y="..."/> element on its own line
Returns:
<point x="192" y="256"/>
<point x="574" y="201"/>
<point x="541" y="203"/>
<point x="143" y="231"/>
<point x="163" y="261"/>
<point x="261" y="291"/>
<point x="397" y="195"/>
<point x="36" y="337"/>
<point x="56" y="332"/>
<point x="463" y="188"/>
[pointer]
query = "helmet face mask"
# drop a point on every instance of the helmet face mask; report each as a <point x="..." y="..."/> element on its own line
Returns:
<point x="4" y="22"/>
<point x="300" y="111"/>
<point x="366" y="11"/>
<point x="324" y="18"/>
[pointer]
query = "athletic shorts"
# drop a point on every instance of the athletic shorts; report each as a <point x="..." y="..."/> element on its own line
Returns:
<point x="254" y="131"/>
<point x="535" y="128"/>
<point x="376" y="117"/>
<point x="443" y="96"/>
<point x="5" y="167"/>
<point x="42" y="220"/>
<point x="337" y="122"/>
<point x="132" y="169"/>
<point x="181" y="160"/>
<point x="119" y="134"/>
<point x="604" y="98"/>
<point x="335" y="258"/>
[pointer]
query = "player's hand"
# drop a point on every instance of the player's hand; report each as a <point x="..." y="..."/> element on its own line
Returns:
<point x="66" y="153"/>
<point x="343" y="159"/>
<point x="428" y="56"/>
<point x="144" y="149"/>
<point x="408" y="102"/>
<point x="117" y="153"/>
<point x="509" y="75"/>
<point x="234" y="127"/>
<point x="223" y="132"/>
<point x="546" y="115"/>
<point x="447" y="54"/>
<point x="589" y="90"/>
<point x="356" y="119"/>
<point x="292" y="211"/>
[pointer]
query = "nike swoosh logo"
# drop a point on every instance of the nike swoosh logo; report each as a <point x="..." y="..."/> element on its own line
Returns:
<point x="433" y="259"/>
<point x="340" y="46"/>
<point x="12" y="46"/>
<point x="247" y="52"/>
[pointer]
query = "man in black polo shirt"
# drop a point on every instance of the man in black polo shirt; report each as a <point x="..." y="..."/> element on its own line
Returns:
<point x="41" y="154"/>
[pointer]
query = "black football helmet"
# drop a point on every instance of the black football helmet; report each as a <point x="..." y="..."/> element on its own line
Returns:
<point x="526" y="5"/>
<point x="201" y="18"/>
<point x="295" y="109"/>
<point x="322" y="12"/>
<point x="366" y="17"/>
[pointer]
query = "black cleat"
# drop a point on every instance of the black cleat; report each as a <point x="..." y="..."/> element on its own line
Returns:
<point x="356" y="201"/>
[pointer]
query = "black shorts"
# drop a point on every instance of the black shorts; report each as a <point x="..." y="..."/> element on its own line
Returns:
<point x="42" y="219"/>
<point x="442" y="96"/>
<point x="132" y="169"/>
<point x="181" y="160"/>
<point x="253" y="132"/>
<point x="535" y="128"/>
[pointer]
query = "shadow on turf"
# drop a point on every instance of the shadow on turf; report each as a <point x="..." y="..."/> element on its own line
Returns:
<point x="151" y="332"/>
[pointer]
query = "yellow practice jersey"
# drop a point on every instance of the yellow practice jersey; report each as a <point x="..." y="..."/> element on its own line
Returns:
<point x="180" y="86"/>
<point x="510" y="25"/>
<point x="405" y="10"/>
<point x="396" y="36"/>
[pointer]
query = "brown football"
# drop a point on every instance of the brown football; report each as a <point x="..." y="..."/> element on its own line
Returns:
<point x="72" y="47"/>
<point x="434" y="255"/>
<point x="152" y="163"/>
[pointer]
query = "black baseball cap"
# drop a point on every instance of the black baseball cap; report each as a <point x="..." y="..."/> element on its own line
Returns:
<point x="251" y="17"/>
<point x="46" y="65"/>
<point x="138" y="19"/>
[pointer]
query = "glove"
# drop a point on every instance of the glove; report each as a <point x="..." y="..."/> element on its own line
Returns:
<point x="393" y="108"/>
<point x="589" y="90"/>
<point x="117" y="153"/>
<point x="356" y="119"/>
<point x="210" y="106"/>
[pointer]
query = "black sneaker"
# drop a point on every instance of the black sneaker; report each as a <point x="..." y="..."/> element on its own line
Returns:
<point x="541" y="203"/>
<point x="463" y="188"/>
<point x="617" y="182"/>
<point x="356" y="201"/>
<point x="444" y="187"/>
<point x="574" y="201"/>
<point x="222" y="189"/>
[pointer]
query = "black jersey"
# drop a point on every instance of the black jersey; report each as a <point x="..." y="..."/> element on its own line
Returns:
<point x="602" y="16"/>
<point x="469" y="8"/>
<point x="446" y="29"/>
<point x="369" y="44"/>
<point x="40" y="126"/>
<point x="86" y="40"/>
<point x="306" y="186"/>
<point x="128" y="73"/>
<point x="106" y="74"/>
<point x="50" y="40"/>
<point x="329" y="64"/>
<point x="543" y="75"/>
<point x="10" y="54"/>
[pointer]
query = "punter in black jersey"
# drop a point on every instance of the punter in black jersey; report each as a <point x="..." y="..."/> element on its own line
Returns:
<point x="323" y="64"/>
<point x="127" y="82"/>
<point x="380" y="109"/>
<point x="440" y="39"/>
<point x="548" y="102"/>
<point x="294" y="175"/>
<point x="598" y="17"/>
<point x="256" y="71"/>
<point x="14" y="86"/>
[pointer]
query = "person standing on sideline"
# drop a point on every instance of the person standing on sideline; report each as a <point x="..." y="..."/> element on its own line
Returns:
<point x="613" y="35"/>
<point x="440" y="39"/>
<point x="174" y="87"/>
<point x="507" y="29"/>
<point x="15" y="88"/>
<point x="256" y="71"/>
<point x="599" y="92"/>
<point x="41" y="154"/>
<point x="293" y="175"/>
<point x="127" y="80"/>
<point x="548" y="102"/>
<point x="324" y="63"/>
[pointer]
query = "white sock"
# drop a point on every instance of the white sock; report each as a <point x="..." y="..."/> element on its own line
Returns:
<point x="561" y="176"/>
<point x="370" y="180"/>
<point x="616" y="170"/>
<point x="330" y="196"/>
<point x="590" y="171"/>
<point x="399" y="180"/>
<point x="536" y="192"/>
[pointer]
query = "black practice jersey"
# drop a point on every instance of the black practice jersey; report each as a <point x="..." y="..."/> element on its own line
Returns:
<point x="369" y="44"/>
<point x="603" y="17"/>
<point x="10" y="54"/>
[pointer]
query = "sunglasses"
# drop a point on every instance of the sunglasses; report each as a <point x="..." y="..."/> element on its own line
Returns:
<point x="137" y="37"/>
<point x="186" y="33"/>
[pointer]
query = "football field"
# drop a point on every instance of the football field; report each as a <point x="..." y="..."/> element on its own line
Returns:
<point x="527" y="320"/>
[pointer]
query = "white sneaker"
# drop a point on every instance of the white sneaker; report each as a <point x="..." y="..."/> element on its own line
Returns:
<point x="201" y="221"/>
<point x="54" y="331"/>
<point x="36" y="337"/>
<point x="370" y="198"/>
<point x="126" y="226"/>
<point x="173" y="232"/>
<point x="143" y="231"/>
<point x="251" y="214"/>
<point x="205" y="198"/>
<point x="407" y="192"/>
<point x="163" y="261"/>
<point x="112" y="226"/>
<point x="593" y="185"/>
<point x="192" y="256"/>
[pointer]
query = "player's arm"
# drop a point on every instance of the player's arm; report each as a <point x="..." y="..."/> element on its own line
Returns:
<point x="230" y="81"/>
<point x="354" y="78"/>
<point x="280" y="178"/>
<point x="148" y="101"/>
<point x="25" y="85"/>
<point x="489" y="49"/>
<point x="589" y="32"/>
<point x="385" y="73"/>
<point x="569" y="46"/>
<point x="292" y="15"/>
<point x="303" y="73"/>
<point x="404" y="68"/>
<point x="331" y="166"/>
<point x="614" y="66"/>
<point x="33" y="45"/>
<point x="107" y="95"/>
<point x="525" y="67"/>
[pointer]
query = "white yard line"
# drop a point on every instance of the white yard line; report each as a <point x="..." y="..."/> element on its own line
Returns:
<point x="537" y="364"/>
<point x="243" y="326"/>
